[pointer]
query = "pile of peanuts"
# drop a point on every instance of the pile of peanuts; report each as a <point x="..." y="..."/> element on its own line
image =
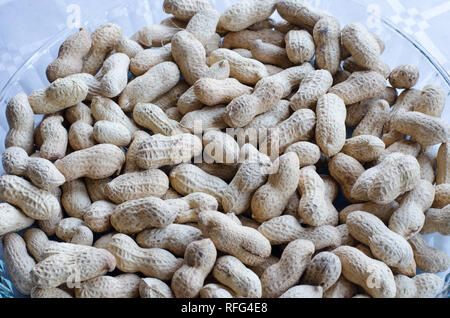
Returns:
<point x="111" y="174"/>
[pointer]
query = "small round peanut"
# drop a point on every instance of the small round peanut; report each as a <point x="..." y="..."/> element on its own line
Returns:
<point x="405" y="76"/>
<point x="54" y="138"/>
<point x="152" y="117"/>
<point x="97" y="216"/>
<point x="107" y="132"/>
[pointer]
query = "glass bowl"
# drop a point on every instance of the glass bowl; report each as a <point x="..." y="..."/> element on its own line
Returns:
<point x="132" y="15"/>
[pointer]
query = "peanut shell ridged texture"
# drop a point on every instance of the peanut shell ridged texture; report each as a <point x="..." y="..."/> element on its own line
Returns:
<point x="60" y="268"/>
<point x="212" y="92"/>
<point x="245" y="243"/>
<point x="241" y="15"/>
<point x="121" y="286"/>
<point x="421" y="286"/>
<point x="103" y="41"/>
<point x="133" y="148"/>
<point x="383" y="212"/>
<point x="128" y="47"/>
<point x="186" y="9"/>
<point x="330" y="128"/>
<point x="300" y="46"/>
<point x="286" y="228"/>
<point x="107" y="132"/>
<point x="34" y="202"/>
<point x="155" y="82"/>
<point x="327" y="40"/>
<point x="107" y="109"/>
<point x="54" y="138"/>
<point x="97" y="162"/>
<point x="405" y="76"/>
<point x="409" y="218"/>
<point x="136" y="215"/>
<point x="187" y="179"/>
<point x="382" y="184"/>
<point x="270" y="53"/>
<point x="160" y="150"/>
<point x="384" y="244"/>
<point x="97" y="216"/>
<point x="313" y="207"/>
<point x="361" y="44"/>
<point x="364" y="148"/>
<point x="345" y="170"/>
<point x="115" y="74"/>
<point x="152" y="262"/>
<point x="174" y="238"/>
<point x="373" y="276"/>
<point x="312" y="87"/>
<point x="70" y="56"/>
<point x="303" y="291"/>
<point x="359" y="86"/>
<point x="12" y="219"/>
<point x="81" y="136"/>
<point x="374" y="121"/>
<point x="428" y="259"/>
<point x="152" y="117"/>
<point x="145" y="60"/>
<point x="136" y="185"/>
<point x="75" y="198"/>
<point x="231" y="272"/>
<point x="437" y="220"/>
<point x="299" y="13"/>
<point x="18" y="262"/>
<point x="154" y="288"/>
<point x="270" y="200"/>
<point x="20" y="117"/>
<point x="324" y="270"/>
<point x="190" y="55"/>
<point x="281" y="276"/>
<point x="199" y="260"/>
<point x="244" y="39"/>
<point x="247" y="71"/>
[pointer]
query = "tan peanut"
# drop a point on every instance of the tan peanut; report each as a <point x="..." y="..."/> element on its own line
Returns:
<point x="374" y="121"/>
<point x="174" y="238"/>
<point x="152" y="262"/>
<point x="160" y="150"/>
<point x="341" y="289"/>
<point x="281" y="276"/>
<point x="442" y="196"/>
<point x="324" y="270"/>
<point x="362" y="270"/>
<point x="154" y="288"/>
<point x="75" y="198"/>
<point x="18" y="262"/>
<point x="216" y="291"/>
<point x="359" y="86"/>
<point x="244" y="38"/>
<point x="406" y="147"/>
<point x="170" y="99"/>
<point x="384" y="244"/>
<point x="187" y="179"/>
<point x="106" y="109"/>
<point x="241" y="15"/>
<point x="286" y="228"/>
<point x="191" y="205"/>
<point x="174" y="114"/>
<point x="437" y="220"/>
<point x="186" y="9"/>
<point x="20" y="117"/>
<point x="270" y="200"/>
<point x="133" y="148"/>
<point x="212" y="92"/>
<point x="431" y="100"/>
<point x="299" y="13"/>
<point x="364" y="148"/>
<point x="345" y="170"/>
<point x="425" y="129"/>
<point x="203" y="25"/>
<point x="104" y="39"/>
<point x="312" y="87"/>
<point x="409" y="218"/>
<point x="220" y="148"/>
<point x="81" y="135"/>
<point x="300" y="46"/>
<point x="97" y="162"/>
<point x="12" y="219"/>
<point x="327" y="41"/>
<point x="152" y="117"/>
<point x="381" y="211"/>
<point x="41" y="172"/>
<point x="135" y="185"/>
<point x="128" y="47"/>
<point x="156" y="35"/>
<point x="245" y="243"/>
<point x="115" y="75"/>
<point x="224" y="172"/>
<point x="428" y="163"/>
<point x="270" y="53"/>
<point x="404" y="76"/>
<point x="155" y="82"/>
<point x="34" y="202"/>
<point x="307" y="153"/>
<point x="108" y="132"/>
<point x="251" y="175"/>
<point x="54" y="138"/>
<point x="428" y="259"/>
<point x="382" y="184"/>
<point x="363" y="47"/>
<point x="146" y="59"/>
<point x="97" y="216"/>
<point x="199" y="260"/>
<point x="420" y="286"/>
<point x="74" y="265"/>
<point x="330" y="127"/>
<point x="443" y="164"/>
<point x="51" y="292"/>
<point x="121" y="286"/>
<point x="231" y="272"/>
<point x="313" y="207"/>
<point x="70" y="56"/>
<point x="188" y="102"/>
<point x="74" y="231"/>
<point x="204" y="119"/>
